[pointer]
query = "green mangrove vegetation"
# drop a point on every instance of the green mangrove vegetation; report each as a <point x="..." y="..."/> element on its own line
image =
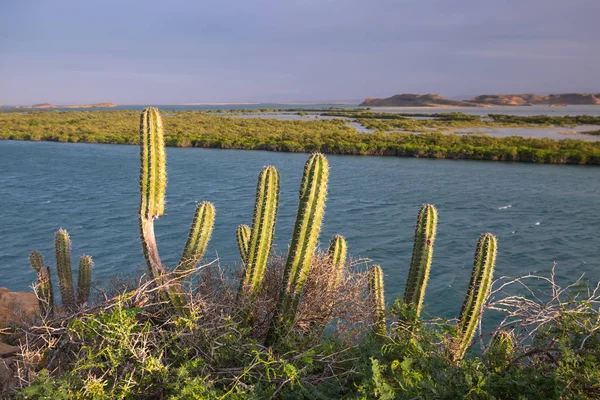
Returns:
<point x="309" y="325"/>
<point x="210" y="130"/>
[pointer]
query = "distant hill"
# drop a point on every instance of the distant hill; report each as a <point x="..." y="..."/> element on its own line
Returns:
<point x="105" y="104"/>
<point x="415" y="100"/>
<point x="435" y="100"/>
<point x="532" y="99"/>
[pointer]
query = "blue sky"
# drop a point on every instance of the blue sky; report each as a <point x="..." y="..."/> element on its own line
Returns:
<point x="174" y="52"/>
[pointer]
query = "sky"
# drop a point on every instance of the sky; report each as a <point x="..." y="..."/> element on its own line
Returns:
<point x="196" y="51"/>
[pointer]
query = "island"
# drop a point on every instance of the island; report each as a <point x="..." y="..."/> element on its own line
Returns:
<point x="436" y="100"/>
<point x="105" y="104"/>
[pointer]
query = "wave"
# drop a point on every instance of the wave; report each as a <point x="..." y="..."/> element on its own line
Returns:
<point x="505" y="207"/>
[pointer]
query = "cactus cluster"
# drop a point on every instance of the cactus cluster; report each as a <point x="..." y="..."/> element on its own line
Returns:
<point x="44" y="291"/>
<point x="336" y="253"/>
<point x="153" y="182"/>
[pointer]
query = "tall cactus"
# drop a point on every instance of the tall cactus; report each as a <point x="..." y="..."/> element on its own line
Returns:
<point x="263" y="230"/>
<point x="43" y="288"/>
<point x="376" y="295"/>
<point x="313" y="191"/>
<point x="153" y="183"/>
<point x="200" y="232"/>
<point x="420" y="264"/>
<point x="337" y="255"/>
<point x="84" y="279"/>
<point x="242" y="234"/>
<point x="479" y="287"/>
<point x="62" y="246"/>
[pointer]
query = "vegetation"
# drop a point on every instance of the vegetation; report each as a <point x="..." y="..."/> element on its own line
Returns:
<point x="200" y="129"/>
<point x="139" y="341"/>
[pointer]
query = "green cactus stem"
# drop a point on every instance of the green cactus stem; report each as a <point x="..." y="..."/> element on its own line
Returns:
<point x="337" y="255"/>
<point x="479" y="287"/>
<point x="420" y="264"/>
<point x="153" y="182"/>
<point x="84" y="281"/>
<point x="376" y="295"/>
<point x="242" y="234"/>
<point x="36" y="260"/>
<point x="313" y="191"/>
<point x="200" y="232"/>
<point x="62" y="246"/>
<point x="263" y="230"/>
<point x="43" y="288"/>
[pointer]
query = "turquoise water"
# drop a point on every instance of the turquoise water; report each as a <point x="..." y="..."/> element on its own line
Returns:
<point x="540" y="213"/>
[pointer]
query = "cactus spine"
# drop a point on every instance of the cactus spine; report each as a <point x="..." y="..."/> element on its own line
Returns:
<point x="313" y="191"/>
<point x="84" y="280"/>
<point x="62" y="246"/>
<point x="43" y="288"/>
<point x="376" y="295"/>
<point x="242" y="234"/>
<point x="420" y="264"/>
<point x="263" y="229"/>
<point x="479" y="287"/>
<point x="153" y="183"/>
<point x="200" y="231"/>
<point x="337" y="254"/>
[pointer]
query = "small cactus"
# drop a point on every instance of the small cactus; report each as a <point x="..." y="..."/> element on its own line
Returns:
<point x="200" y="231"/>
<point x="420" y="264"/>
<point x="84" y="280"/>
<point x="242" y="234"/>
<point x="500" y="351"/>
<point x="376" y="295"/>
<point x="62" y="246"/>
<point x="337" y="254"/>
<point x="263" y="230"/>
<point x="313" y="191"/>
<point x="479" y="287"/>
<point x="44" y="290"/>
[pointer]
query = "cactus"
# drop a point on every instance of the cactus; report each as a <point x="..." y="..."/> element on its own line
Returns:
<point x="62" y="246"/>
<point x="479" y="287"/>
<point x="243" y="233"/>
<point x="200" y="231"/>
<point x="376" y="294"/>
<point x="263" y="229"/>
<point x="313" y="191"/>
<point x="44" y="290"/>
<point x="84" y="280"/>
<point x="153" y="182"/>
<point x="337" y="254"/>
<point x="500" y="350"/>
<point x="420" y="264"/>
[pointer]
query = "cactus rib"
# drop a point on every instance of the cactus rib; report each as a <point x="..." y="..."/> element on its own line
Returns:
<point x="479" y="287"/>
<point x="421" y="257"/>
<point x="200" y="232"/>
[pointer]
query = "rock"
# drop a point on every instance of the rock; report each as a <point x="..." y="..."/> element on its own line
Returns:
<point x="15" y="307"/>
